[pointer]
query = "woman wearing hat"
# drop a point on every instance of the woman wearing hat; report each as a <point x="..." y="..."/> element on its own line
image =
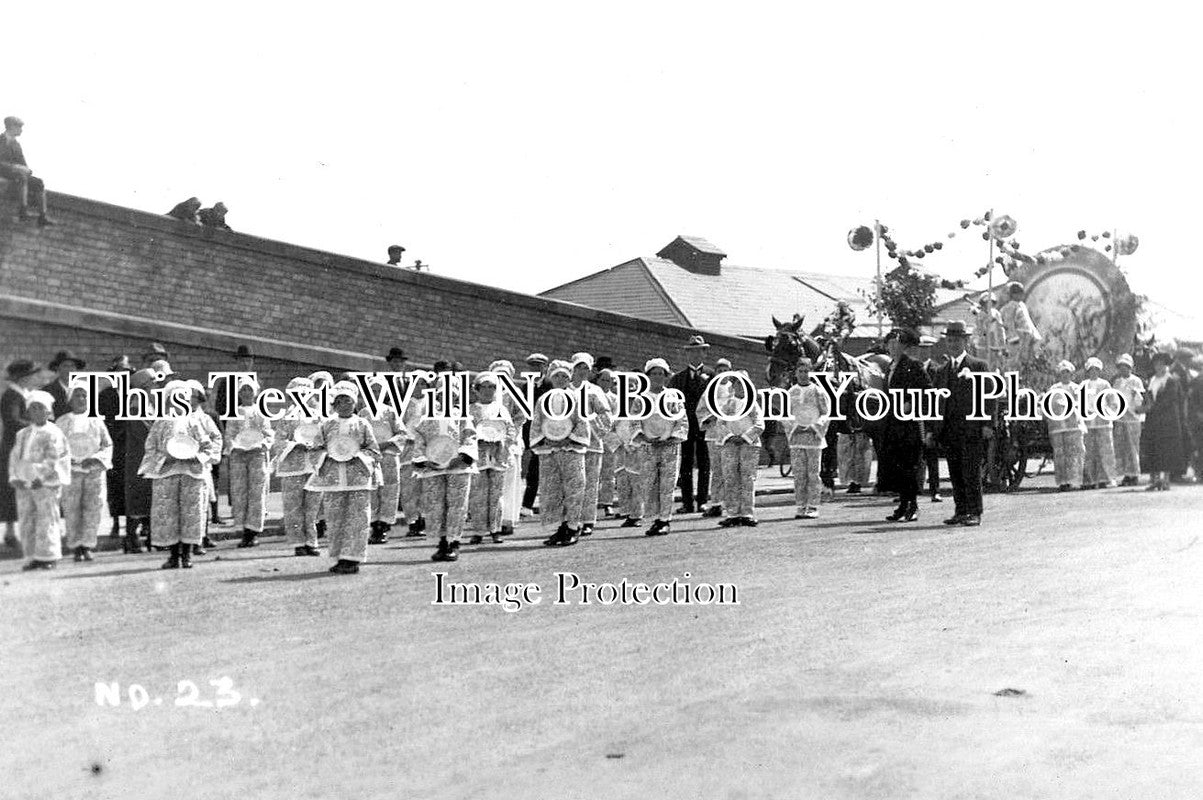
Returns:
<point x="1126" y="430"/>
<point x="1066" y="431"/>
<point x="1163" y="440"/>
<point x="108" y="405"/>
<point x="900" y="459"/>
<point x="22" y="375"/>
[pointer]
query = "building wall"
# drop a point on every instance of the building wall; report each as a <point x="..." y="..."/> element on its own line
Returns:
<point x="107" y="280"/>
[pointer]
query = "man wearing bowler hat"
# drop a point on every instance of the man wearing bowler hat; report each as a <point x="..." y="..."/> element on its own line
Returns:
<point x="64" y="364"/>
<point x="692" y="382"/>
<point x="962" y="439"/>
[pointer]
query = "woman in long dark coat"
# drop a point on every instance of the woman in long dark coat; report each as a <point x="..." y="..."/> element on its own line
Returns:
<point x="900" y="454"/>
<point x="137" y="489"/>
<point x="1163" y="437"/>
<point x="108" y="407"/>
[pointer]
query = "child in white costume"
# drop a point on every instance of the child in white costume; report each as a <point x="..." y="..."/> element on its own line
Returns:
<point x="344" y="471"/>
<point x="561" y="447"/>
<point x="392" y="437"/>
<point x="738" y="445"/>
<point x="1065" y="435"/>
<point x="247" y="442"/>
<point x="807" y="435"/>
<point x="495" y="437"/>
<point x="39" y="466"/>
<point x="1099" y="464"/>
<point x="714" y="435"/>
<point x="597" y="414"/>
<point x="293" y="465"/>
<point x="1126" y="430"/>
<point x="444" y="456"/>
<point x="179" y="451"/>
<point x="91" y="457"/>
<point x="629" y="486"/>
<point x="661" y="437"/>
<point x="199" y="395"/>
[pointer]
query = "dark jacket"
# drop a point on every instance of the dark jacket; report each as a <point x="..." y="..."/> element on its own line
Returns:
<point x="1163" y="436"/>
<point x="953" y="426"/>
<point x="62" y="401"/>
<point x="693" y="386"/>
<point x="11" y="152"/>
<point x="901" y="441"/>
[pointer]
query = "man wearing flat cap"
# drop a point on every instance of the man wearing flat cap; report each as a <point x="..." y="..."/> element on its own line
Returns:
<point x="962" y="439"/>
<point x="64" y="364"/>
<point x="692" y="382"/>
<point x="25" y="186"/>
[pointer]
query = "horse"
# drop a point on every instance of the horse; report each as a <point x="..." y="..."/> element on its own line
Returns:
<point x="785" y="347"/>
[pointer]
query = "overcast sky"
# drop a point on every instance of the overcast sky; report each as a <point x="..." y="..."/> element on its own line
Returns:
<point x="527" y="144"/>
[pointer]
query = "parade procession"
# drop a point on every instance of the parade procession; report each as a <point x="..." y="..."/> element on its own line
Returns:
<point x="530" y="400"/>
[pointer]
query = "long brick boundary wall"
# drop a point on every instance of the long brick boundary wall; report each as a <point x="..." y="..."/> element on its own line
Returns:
<point x="107" y="280"/>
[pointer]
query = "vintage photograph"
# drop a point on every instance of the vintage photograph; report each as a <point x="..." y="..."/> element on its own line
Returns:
<point x="647" y="400"/>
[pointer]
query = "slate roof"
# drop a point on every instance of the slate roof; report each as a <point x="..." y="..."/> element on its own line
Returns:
<point x="738" y="302"/>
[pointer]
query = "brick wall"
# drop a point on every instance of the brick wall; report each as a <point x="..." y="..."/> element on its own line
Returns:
<point x="107" y="280"/>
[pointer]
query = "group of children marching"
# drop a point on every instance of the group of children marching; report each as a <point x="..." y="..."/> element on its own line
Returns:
<point x="348" y="475"/>
<point x="1091" y="450"/>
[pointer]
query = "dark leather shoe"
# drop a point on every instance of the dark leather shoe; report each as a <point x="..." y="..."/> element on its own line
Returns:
<point x="899" y="513"/>
<point x="955" y="519"/>
<point x="631" y="522"/>
<point x="971" y="521"/>
<point x="586" y="529"/>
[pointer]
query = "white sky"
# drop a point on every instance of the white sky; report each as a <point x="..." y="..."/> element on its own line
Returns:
<point x="526" y="144"/>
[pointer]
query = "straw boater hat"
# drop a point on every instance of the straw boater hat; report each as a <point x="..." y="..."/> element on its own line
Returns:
<point x="696" y="342"/>
<point x="537" y="358"/>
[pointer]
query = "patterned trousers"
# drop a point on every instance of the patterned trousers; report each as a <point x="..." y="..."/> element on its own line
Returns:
<point x="1099" y="464"/>
<point x="511" y="492"/>
<point x="1126" y="436"/>
<point x="561" y="487"/>
<point x="488" y="488"/>
<point x="178" y="509"/>
<point x="1068" y="455"/>
<point x="386" y="496"/>
<point x="348" y="520"/>
<point x="593" y="465"/>
<point x="808" y="488"/>
<point x="661" y="464"/>
<point x="737" y="487"/>
<point x="411" y="492"/>
<point x="39" y="524"/>
<point x="605" y="484"/>
<point x="83" y="500"/>
<point x="300" y="510"/>
<point x="248" y="488"/>
<point x="855" y="457"/>
<point x="445" y="504"/>
<point x="718" y="476"/>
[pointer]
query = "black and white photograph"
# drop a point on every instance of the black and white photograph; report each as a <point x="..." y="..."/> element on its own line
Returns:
<point x="641" y="400"/>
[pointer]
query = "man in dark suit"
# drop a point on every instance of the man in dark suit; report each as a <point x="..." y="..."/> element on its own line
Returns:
<point x="692" y="382"/>
<point x="13" y="167"/>
<point x="64" y="364"/>
<point x="900" y="451"/>
<point x="962" y="439"/>
<point x="931" y="454"/>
